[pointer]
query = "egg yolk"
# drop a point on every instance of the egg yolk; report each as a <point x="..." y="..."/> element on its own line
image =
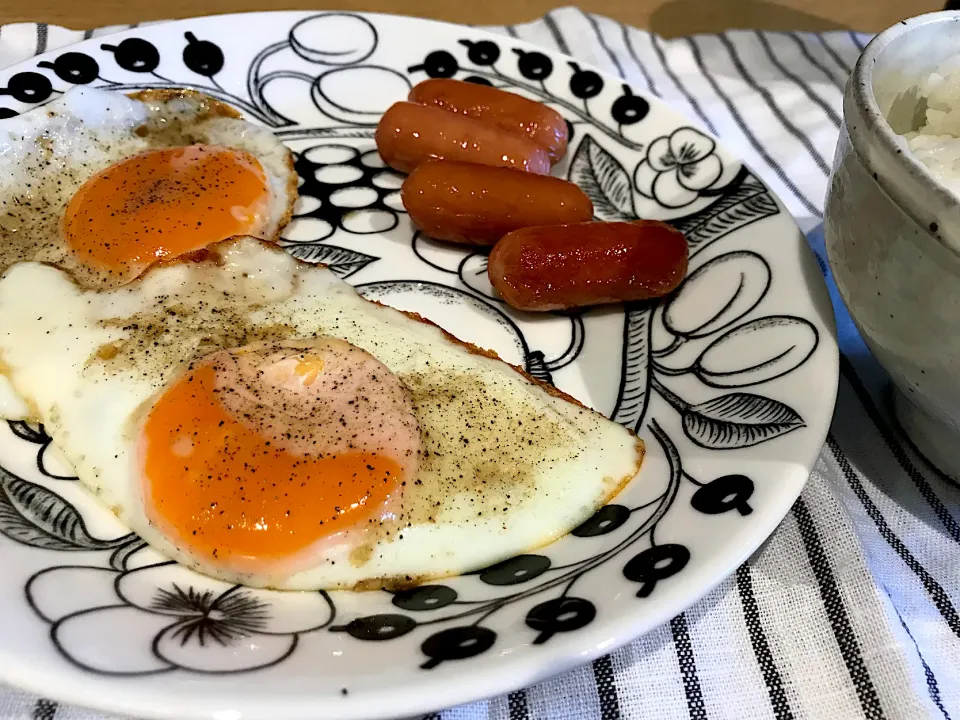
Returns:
<point x="255" y="454"/>
<point x="164" y="203"/>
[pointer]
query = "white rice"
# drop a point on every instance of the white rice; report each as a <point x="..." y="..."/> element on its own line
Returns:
<point x="936" y="143"/>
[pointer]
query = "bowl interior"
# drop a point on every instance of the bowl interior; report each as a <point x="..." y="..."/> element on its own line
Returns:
<point x="885" y="99"/>
<point x="904" y="64"/>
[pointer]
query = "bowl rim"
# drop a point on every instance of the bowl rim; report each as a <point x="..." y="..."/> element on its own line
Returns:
<point x="888" y="143"/>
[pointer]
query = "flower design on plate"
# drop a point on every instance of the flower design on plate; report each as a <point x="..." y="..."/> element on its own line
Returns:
<point x="163" y="617"/>
<point x="678" y="167"/>
<point x="699" y="374"/>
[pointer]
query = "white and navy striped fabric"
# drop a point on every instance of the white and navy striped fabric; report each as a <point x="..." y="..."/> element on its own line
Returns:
<point x="850" y="609"/>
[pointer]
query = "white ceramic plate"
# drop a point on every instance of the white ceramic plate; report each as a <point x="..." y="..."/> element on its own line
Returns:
<point x="731" y="383"/>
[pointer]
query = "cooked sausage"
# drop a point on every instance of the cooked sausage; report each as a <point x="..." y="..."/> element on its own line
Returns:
<point x="570" y="266"/>
<point x="506" y="110"/>
<point x="477" y="205"/>
<point x="409" y="133"/>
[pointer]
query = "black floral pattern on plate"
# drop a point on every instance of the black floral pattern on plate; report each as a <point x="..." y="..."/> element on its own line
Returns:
<point x="171" y="620"/>
<point x="189" y="623"/>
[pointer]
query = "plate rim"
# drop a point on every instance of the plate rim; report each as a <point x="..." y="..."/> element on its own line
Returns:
<point x="567" y="651"/>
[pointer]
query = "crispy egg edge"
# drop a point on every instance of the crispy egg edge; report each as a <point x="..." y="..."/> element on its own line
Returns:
<point x="213" y="107"/>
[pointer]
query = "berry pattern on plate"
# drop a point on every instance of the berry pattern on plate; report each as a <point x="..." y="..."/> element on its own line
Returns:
<point x="695" y="375"/>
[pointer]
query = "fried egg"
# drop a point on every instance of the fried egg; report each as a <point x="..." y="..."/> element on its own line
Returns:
<point x="103" y="185"/>
<point x="254" y="418"/>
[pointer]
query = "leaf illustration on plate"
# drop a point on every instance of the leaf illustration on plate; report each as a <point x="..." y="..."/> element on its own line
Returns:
<point x="120" y="558"/>
<point x="738" y="420"/>
<point x="604" y="180"/>
<point x="334" y="93"/>
<point x="341" y="261"/>
<point x="535" y="365"/>
<point x="32" y="515"/>
<point x="757" y="351"/>
<point x="748" y="202"/>
<point x="29" y="432"/>
<point x="635" y="376"/>
<point x="52" y="464"/>
<point x="717" y="294"/>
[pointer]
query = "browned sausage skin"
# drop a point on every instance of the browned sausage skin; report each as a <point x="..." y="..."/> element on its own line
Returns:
<point x="570" y="266"/>
<point x="506" y="110"/>
<point x="408" y="134"/>
<point x="477" y="205"/>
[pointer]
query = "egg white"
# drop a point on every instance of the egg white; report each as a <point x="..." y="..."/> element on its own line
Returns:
<point x="47" y="153"/>
<point x="53" y="330"/>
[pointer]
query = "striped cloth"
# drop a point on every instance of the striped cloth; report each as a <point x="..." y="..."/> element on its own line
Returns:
<point x="850" y="609"/>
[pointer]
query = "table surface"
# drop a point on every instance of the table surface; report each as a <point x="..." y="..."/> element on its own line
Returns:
<point x="667" y="17"/>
